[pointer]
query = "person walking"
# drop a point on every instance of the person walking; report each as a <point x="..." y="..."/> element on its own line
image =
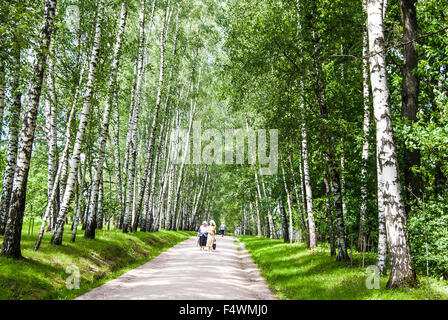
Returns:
<point x="202" y="233"/>
<point x="211" y="234"/>
<point x="222" y="229"/>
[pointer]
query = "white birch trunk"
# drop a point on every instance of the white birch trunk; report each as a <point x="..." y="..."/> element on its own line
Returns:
<point x="99" y="218"/>
<point x="147" y="214"/>
<point x="74" y="163"/>
<point x="11" y="153"/>
<point x="257" y="184"/>
<point x="344" y="205"/>
<point x="157" y="206"/>
<point x="51" y="115"/>
<point x="150" y="212"/>
<point x="382" y="236"/>
<point x="173" y="218"/>
<point x="299" y="203"/>
<point x="160" y="213"/>
<point x="272" y="233"/>
<point x="401" y="266"/>
<point x="62" y="165"/>
<point x="91" y="218"/>
<point x="64" y="169"/>
<point x="148" y="165"/>
<point x="185" y="152"/>
<point x="171" y="177"/>
<point x="77" y="213"/>
<point x="257" y="207"/>
<point x="134" y="125"/>
<point x="117" y="163"/>
<point x="2" y="90"/>
<point x="365" y="140"/>
<point x="175" y="149"/>
<point x="11" y="240"/>
<point x="288" y="200"/>
<point x="308" y="189"/>
<point x="198" y="198"/>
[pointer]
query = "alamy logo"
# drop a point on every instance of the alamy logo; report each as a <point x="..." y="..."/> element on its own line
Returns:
<point x="72" y="281"/>
<point x="211" y="146"/>
<point x="72" y="17"/>
<point x="373" y="280"/>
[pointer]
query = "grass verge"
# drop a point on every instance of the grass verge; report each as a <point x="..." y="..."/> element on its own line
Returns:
<point x="42" y="275"/>
<point x="295" y="273"/>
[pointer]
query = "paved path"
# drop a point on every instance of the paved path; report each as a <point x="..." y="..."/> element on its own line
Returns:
<point x="186" y="272"/>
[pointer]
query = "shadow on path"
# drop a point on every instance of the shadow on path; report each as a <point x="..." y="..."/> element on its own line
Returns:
<point x="185" y="272"/>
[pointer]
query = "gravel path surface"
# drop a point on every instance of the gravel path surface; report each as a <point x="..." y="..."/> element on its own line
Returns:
<point x="186" y="272"/>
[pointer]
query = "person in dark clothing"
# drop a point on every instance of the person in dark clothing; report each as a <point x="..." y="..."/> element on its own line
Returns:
<point x="222" y="229"/>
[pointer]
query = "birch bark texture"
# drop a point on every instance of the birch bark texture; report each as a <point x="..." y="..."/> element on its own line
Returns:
<point x="11" y="154"/>
<point x="132" y="146"/>
<point x="74" y="163"/>
<point x="50" y="126"/>
<point x="91" y="219"/>
<point x="289" y="202"/>
<point x="299" y="203"/>
<point x="308" y="189"/>
<point x="11" y="240"/>
<point x="402" y="272"/>
<point x="62" y="168"/>
<point x="365" y="139"/>
<point x="152" y="136"/>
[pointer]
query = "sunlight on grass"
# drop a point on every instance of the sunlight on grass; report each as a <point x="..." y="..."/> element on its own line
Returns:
<point x="296" y="273"/>
<point x="42" y="274"/>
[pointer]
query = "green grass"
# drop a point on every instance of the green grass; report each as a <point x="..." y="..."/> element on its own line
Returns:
<point x="237" y="243"/>
<point x="42" y="274"/>
<point x="296" y="273"/>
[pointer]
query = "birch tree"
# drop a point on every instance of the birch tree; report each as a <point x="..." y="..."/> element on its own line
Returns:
<point x="11" y="241"/>
<point x="11" y="156"/>
<point x="152" y="136"/>
<point x="401" y="266"/>
<point x="185" y="151"/>
<point x="288" y="200"/>
<point x="96" y="184"/>
<point x="365" y="139"/>
<point x="132" y="146"/>
<point x="62" y="168"/>
<point x="308" y="190"/>
<point x="300" y="206"/>
<point x="74" y="163"/>
<point x="2" y="89"/>
<point x="50" y="126"/>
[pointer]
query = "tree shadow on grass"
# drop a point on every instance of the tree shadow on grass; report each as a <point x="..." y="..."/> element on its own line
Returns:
<point x="27" y="278"/>
<point x="295" y="272"/>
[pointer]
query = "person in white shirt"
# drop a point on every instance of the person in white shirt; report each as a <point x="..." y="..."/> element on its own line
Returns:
<point x="202" y="233"/>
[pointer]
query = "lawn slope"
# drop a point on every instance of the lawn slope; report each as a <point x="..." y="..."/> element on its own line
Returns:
<point x="294" y="272"/>
<point x="42" y="275"/>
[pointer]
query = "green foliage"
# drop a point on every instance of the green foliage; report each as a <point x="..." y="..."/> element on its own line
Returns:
<point x="275" y="64"/>
<point x="428" y="227"/>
